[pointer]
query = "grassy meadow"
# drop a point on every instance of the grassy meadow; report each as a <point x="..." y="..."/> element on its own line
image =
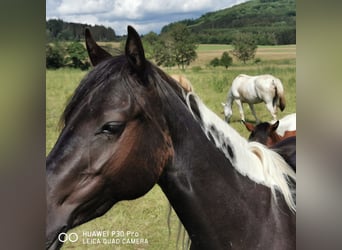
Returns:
<point x="148" y="215"/>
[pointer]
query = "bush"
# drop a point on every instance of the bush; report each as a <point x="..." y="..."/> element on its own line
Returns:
<point x="77" y="56"/>
<point x="54" y="56"/>
<point x="196" y="69"/>
<point x="215" y="62"/>
<point x="226" y="60"/>
<point x="257" y="60"/>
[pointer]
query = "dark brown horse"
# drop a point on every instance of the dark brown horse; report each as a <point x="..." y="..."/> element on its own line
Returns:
<point x="266" y="133"/>
<point x="126" y="128"/>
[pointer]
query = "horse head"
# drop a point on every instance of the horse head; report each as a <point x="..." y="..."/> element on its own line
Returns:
<point x="103" y="153"/>
<point x="263" y="132"/>
<point x="228" y="112"/>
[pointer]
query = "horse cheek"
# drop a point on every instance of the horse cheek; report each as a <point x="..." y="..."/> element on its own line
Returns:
<point x="137" y="164"/>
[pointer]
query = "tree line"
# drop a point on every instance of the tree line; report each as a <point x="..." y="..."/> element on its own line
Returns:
<point x="58" y="30"/>
<point x="173" y="48"/>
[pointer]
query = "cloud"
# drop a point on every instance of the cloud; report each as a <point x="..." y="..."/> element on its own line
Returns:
<point x="145" y="16"/>
<point x="84" y="7"/>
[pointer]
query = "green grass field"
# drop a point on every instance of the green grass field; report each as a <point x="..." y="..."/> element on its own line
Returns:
<point x="148" y="215"/>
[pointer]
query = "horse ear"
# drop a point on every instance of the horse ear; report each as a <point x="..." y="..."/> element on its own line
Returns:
<point x="134" y="50"/>
<point x="95" y="52"/>
<point x="249" y="126"/>
<point x="275" y="126"/>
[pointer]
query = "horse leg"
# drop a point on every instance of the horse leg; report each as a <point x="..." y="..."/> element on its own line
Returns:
<point x="251" y="106"/>
<point x="273" y="110"/>
<point x="239" y="104"/>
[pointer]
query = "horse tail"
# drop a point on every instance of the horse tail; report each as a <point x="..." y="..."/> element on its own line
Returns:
<point x="282" y="102"/>
<point x="279" y="95"/>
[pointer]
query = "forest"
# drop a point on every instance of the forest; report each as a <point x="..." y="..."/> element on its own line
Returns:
<point x="58" y="30"/>
<point x="271" y="22"/>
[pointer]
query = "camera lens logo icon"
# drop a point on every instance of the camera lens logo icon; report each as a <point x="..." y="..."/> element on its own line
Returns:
<point x="71" y="237"/>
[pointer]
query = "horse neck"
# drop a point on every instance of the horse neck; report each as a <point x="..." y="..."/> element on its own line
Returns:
<point x="230" y="98"/>
<point x="214" y="202"/>
<point x="203" y="188"/>
<point x="230" y="142"/>
<point x="275" y="138"/>
<point x="288" y="134"/>
<point x="252" y="159"/>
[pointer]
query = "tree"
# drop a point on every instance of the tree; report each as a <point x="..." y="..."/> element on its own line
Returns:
<point x="174" y="47"/>
<point x="78" y="56"/>
<point x="163" y="50"/>
<point x="150" y="43"/>
<point x="244" y="46"/>
<point x="164" y="54"/>
<point x="226" y="60"/>
<point x="184" y="46"/>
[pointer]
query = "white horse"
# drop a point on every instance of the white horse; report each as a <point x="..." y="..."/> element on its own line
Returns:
<point x="287" y="123"/>
<point x="252" y="90"/>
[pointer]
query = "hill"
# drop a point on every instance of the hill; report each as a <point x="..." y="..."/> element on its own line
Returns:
<point x="270" y="21"/>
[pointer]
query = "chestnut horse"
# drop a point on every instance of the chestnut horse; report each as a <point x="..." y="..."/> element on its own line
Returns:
<point x="184" y="82"/>
<point x="127" y="127"/>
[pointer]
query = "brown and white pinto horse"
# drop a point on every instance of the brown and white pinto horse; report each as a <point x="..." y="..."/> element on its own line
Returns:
<point x="127" y="128"/>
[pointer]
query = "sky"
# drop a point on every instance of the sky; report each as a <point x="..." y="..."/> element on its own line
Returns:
<point x="144" y="16"/>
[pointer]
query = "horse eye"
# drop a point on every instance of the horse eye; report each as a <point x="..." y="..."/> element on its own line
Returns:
<point x="112" y="128"/>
